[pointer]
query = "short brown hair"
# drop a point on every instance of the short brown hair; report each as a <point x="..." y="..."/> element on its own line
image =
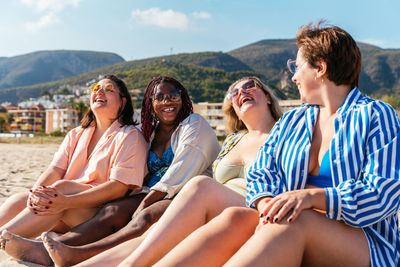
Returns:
<point x="232" y="121"/>
<point x="336" y="47"/>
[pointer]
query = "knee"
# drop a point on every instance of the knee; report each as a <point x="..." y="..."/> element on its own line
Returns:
<point x="113" y="215"/>
<point x="63" y="186"/>
<point x="303" y="224"/>
<point x="144" y="219"/>
<point x="198" y="185"/>
<point x="240" y="216"/>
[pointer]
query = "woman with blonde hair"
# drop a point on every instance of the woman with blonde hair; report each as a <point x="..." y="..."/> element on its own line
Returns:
<point x="325" y="187"/>
<point x="250" y="111"/>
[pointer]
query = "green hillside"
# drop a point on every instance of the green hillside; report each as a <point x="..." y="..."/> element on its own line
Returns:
<point x="380" y="71"/>
<point x="44" y="66"/>
<point x="203" y="83"/>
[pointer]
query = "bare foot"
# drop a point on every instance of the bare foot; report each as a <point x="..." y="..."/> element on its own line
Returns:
<point x="53" y="235"/>
<point x="24" y="249"/>
<point x="61" y="254"/>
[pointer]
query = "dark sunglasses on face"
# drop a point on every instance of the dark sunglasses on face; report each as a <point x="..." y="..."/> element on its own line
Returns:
<point x="108" y="88"/>
<point x="246" y="88"/>
<point x="173" y="96"/>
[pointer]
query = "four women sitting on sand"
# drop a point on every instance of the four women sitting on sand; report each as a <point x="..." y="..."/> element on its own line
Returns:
<point x="332" y="165"/>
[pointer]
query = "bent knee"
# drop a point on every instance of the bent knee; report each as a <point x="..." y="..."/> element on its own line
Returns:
<point x="199" y="184"/>
<point x="145" y="218"/>
<point x="69" y="187"/>
<point x="240" y="215"/>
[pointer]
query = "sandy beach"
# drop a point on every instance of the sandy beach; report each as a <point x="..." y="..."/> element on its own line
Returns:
<point x="21" y="165"/>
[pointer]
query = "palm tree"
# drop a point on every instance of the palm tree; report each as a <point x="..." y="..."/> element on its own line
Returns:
<point x="2" y="123"/>
<point x="80" y="108"/>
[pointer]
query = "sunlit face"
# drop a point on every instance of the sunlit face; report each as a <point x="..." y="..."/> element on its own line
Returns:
<point x="251" y="100"/>
<point x="106" y="101"/>
<point x="305" y="79"/>
<point x="166" y="103"/>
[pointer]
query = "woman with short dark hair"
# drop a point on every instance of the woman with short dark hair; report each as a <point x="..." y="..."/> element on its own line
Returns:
<point x="325" y="189"/>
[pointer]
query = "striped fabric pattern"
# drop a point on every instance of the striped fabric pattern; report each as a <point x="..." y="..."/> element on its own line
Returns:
<point x="365" y="168"/>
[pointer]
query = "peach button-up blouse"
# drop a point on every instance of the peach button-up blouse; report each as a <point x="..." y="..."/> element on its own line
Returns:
<point x="120" y="155"/>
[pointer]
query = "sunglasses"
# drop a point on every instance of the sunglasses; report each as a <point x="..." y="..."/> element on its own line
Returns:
<point x="173" y="96"/>
<point x="291" y="65"/>
<point x="108" y="88"/>
<point x="246" y="88"/>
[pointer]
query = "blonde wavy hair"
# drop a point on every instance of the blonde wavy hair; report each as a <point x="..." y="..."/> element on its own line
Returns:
<point x="233" y="123"/>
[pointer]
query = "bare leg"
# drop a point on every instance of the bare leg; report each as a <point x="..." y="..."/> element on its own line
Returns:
<point x="214" y="243"/>
<point x="201" y="199"/>
<point x="12" y="206"/>
<point x="334" y="244"/>
<point x="109" y="219"/>
<point x="30" y="225"/>
<point x="115" y="255"/>
<point x="64" y="255"/>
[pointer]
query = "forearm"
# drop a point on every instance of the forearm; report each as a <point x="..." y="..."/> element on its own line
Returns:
<point x="97" y="196"/>
<point x="318" y="198"/>
<point x="153" y="196"/>
<point x="50" y="176"/>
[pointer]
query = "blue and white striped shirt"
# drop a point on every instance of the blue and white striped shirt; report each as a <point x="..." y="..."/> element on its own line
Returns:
<point x="365" y="168"/>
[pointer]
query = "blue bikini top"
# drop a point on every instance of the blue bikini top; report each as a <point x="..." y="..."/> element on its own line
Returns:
<point x="157" y="167"/>
<point x="324" y="178"/>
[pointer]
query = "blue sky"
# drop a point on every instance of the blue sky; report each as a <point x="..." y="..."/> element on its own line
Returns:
<point x="146" y="28"/>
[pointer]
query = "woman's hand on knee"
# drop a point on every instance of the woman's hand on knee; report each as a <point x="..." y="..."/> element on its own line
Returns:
<point x="289" y="204"/>
<point x="46" y="201"/>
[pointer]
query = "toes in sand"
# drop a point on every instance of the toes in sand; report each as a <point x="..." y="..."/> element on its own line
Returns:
<point x="25" y="249"/>
<point x="61" y="254"/>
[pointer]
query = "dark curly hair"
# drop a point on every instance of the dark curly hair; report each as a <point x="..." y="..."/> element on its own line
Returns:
<point x="125" y="116"/>
<point x="149" y="121"/>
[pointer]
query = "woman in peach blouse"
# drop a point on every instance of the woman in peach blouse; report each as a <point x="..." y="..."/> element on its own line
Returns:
<point x="96" y="163"/>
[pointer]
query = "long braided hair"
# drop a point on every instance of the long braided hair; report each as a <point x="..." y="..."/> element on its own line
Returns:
<point x="149" y="120"/>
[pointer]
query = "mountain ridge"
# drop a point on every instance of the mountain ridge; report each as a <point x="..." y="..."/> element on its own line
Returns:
<point x="267" y="58"/>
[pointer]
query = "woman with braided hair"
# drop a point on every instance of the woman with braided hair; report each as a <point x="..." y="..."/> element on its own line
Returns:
<point x="182" y="145"/>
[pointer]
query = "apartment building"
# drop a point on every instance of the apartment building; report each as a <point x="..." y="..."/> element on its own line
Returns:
<point x="31" y="119"/>
<point x="61" y="119"/>
<point x="214" y="114"/>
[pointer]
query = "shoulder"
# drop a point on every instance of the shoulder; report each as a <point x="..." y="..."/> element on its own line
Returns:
<point x="195" y="121"/>
<point x="234" y="136"/>
<point x="129" y="134"/>
<point x="76" y="132"/>
<point x="193" y="118"/>
<point x="377" y="110"/>
<point x="194" y="130"/>
<point x="294" y="117"/>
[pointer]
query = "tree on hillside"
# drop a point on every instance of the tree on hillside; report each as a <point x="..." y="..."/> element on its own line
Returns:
<point x="2" y="123"/>
<point x="62" y="91"/>
<point x="9" y="118"/>
<point x="80" y="108"/>
<point x="392" y="100"/>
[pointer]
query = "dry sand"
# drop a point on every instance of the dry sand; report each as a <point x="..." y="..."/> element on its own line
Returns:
<point x="20" y="166"/>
